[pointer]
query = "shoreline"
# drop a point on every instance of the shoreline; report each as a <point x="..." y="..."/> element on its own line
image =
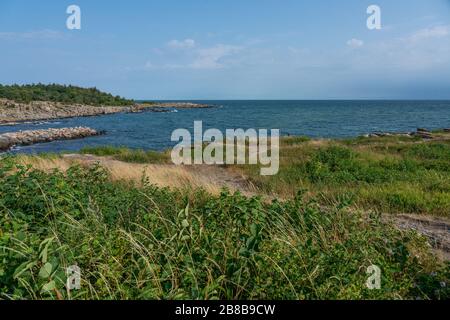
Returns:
<point x="29" y="137"/>
<point x="14" y="113"/>
<point x="8" y="140"/>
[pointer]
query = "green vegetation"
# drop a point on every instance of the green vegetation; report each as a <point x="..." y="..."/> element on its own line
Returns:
<point x="148" y="243"/>
<point x="391" y="175"/>
<point x="133" y="240"/>
<point x="145" y="102"/>
<point x="128" y="155"/>
<point x="61" y="93"/>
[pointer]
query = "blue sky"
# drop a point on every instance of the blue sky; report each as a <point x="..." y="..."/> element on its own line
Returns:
<point x="233" y="49"/>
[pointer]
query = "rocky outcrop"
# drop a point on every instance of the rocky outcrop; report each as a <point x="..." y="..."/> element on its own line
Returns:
<point x="13" y="112"/>
<point x="420" y="133"/>
<point x="168" y="106"/>
<point x="181" y="105"/>
<point x="28" y="137"/>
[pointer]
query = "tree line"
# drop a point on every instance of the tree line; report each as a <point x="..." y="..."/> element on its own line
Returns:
<point x="61" y="93"/>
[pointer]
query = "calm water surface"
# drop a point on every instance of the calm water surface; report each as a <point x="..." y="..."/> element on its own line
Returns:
<point x="328" y="119"/>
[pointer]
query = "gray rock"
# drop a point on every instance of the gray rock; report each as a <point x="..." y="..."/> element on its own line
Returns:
<point x="5" y="143"/>
<point x="39" y="136"/>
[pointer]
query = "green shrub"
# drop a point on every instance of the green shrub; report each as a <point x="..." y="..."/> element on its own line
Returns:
<point x="390" y="174"/>
<point x="430" y="151"/>
<point x="128" y="155"/>
<point x="61" y="93"/>
<point x="152" y="243"/>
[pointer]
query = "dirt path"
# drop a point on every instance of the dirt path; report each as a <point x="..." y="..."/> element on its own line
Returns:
<point x="226" y="178"/>
<point x="437" y="231"/>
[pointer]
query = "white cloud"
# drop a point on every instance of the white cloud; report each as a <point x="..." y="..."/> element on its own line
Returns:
<point x="355" y="43"/>
<point x="183" y="44"/>
<point x="211" y="58"/>
<point x="410" y="52"/>
<point x="425" y="50"/>
<point x="433" y="32"/>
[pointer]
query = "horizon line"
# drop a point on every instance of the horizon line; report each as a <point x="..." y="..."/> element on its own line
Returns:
<point x="324" y="99"/>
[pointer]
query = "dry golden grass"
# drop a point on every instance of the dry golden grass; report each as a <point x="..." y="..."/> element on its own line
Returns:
<point x="211" y="179"/>
<point x="45" y="164"/>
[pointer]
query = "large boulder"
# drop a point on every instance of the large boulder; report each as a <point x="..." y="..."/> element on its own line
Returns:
<point x="5" y="143"/>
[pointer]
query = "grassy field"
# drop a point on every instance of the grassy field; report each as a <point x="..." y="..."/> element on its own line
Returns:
<point x="128" y="155"/>
<point x="391" y="174"/>
<point x="135" y="240"/>
<point x="151" y="243"/>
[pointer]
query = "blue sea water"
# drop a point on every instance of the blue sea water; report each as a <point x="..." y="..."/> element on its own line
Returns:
<point x="327" y="119"/>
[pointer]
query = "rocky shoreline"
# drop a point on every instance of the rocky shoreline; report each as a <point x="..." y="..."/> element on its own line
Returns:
<point x="28" y="137"/>
<point x="12" y="112"/>
<point x="419" y="133"/>
<point x="180" y="105"/>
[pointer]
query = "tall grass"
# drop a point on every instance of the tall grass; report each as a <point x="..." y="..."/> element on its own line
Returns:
<point x="128" y="155"/>
<point x="392" y="174"/>
<point x="152" y="243"/>
<point x="161" y="175"/>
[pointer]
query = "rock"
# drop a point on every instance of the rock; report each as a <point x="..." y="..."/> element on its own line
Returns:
<point x="423" y="135"/>
<point x="5" y="143"/>
<point x="181" y="105"/>
<point x="11" y="111"/>
<point x="7" y="140"/>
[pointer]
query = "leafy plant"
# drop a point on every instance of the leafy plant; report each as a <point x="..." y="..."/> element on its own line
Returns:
<point x="154" y="243"/>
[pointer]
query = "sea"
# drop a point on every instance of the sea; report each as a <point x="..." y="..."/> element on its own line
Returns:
<point x="315" y="119"/>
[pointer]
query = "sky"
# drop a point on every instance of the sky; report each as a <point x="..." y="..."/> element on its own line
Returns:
<point x="233" y="49"/>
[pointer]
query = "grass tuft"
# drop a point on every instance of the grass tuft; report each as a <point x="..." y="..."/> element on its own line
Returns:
<point x="152" y="243"/>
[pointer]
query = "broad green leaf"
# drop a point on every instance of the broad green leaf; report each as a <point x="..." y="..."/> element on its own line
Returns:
<point x="46" y="270"/>
<point x="49" y="286"/>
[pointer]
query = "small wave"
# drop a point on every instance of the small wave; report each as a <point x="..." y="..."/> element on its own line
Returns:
<point x="35" y="122"/>
<point x="38" y="123"/>
<point x="12" y="150"/>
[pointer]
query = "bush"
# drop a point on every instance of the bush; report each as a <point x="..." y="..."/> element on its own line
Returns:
<point x="152" y="243"/>
<point x="61" y="93"/>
